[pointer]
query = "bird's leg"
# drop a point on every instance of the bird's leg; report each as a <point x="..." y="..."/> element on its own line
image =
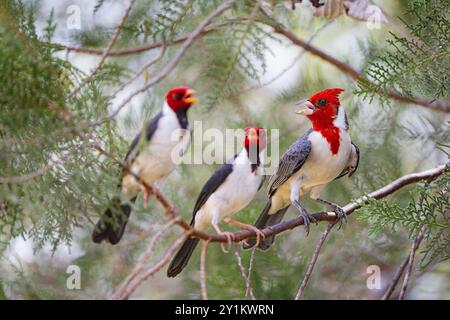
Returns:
<point x="307" y="219"/>
<point x="229" y="235"/>
<point x="259" y="234"/>
<point x="340" y="214"/>
<point x="147" y="192"/>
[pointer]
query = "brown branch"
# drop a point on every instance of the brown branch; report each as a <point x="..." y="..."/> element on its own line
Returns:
<point x="411" y="256"/>
<point x="106" y="52"/>
<point x="203" y="287"/>
<point x="148" y="46"/>
<point x="137" y="49"/>
<point x="313" y="261"/>
<point x="440" y="105"/>
<point x="330" y="216"/>
<point x="390" y="188"/>
<point x="407" y="263"/>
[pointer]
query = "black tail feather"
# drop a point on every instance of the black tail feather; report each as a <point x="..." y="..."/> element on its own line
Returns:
<point x="265" y="220"/>
<point x="182" y="257"/>
<point x="111" y="225"/>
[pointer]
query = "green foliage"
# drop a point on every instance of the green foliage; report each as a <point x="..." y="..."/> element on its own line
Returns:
<point x="428" y="207"/>
<point x="417" y="64"/>
<point x="73" y="183"/>
<point x="236" y="53"/>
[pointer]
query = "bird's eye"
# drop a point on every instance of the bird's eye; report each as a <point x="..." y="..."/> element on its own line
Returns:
<point x="322" y="102"/>
<point x="177" y="96"/>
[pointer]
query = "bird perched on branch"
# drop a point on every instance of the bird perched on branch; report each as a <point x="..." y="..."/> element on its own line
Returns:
<point x="324" y="153"/>
<point x="228" y="190"/>
<point x="149" y="159"/>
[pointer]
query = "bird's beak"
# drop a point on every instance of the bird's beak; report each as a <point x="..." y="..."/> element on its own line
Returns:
<point x="308" y="111"/>
<point x="189" y="97"/>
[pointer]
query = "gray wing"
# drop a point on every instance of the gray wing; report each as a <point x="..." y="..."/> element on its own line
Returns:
<point x="133" y="151"/>
<point x="291" y="161"/>
<point x="352" y="164"/>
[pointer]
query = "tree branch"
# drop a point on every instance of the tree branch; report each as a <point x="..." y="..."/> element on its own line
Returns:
<point x="203" y="286"/>
<point x="406" y="263"/>
<point x="440" y="105"/>
<point x="246" y="277"/>
<point x="411" y="256"/>
<point x="24" y="178"/>
<point x="311" y="265"/>
<point x="331" y="216"/>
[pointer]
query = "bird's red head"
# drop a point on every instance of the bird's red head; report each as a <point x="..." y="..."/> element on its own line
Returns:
<point x="255" y="137"/>
<point x="180" y="98"/>
<point x="322" y="107"/>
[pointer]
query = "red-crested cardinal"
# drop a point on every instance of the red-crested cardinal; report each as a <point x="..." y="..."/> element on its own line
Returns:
<point x="150" y="158"/>
<point x="324" y="153"/>
<point x="228" y="190"/>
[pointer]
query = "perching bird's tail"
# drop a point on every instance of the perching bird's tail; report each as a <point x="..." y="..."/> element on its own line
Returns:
<point x="111" y="225"/>
<point x="182" y="257"/>
<point x="265" y="220"/>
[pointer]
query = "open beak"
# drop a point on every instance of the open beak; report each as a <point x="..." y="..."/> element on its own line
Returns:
<point x="310" y="108"/>
<point x="189" y="97"/>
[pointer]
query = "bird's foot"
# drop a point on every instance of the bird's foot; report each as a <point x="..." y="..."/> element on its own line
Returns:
<point x="259" y="234"/>
<point x="307" y="218"/>
<point x="340" y="213"/>
<point x="230" y="240"/>
<point x="146" y="193"/>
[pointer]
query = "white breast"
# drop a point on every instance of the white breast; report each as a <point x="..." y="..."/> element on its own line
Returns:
<point x="233" y="195"/>
<point x="155" y="161"/>
<point x="322" y="166"/>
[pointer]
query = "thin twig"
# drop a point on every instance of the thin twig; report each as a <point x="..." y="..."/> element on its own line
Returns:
<point x="25" y="177"/>
<point x="248" y="287"/>
<point x="180" y="53"/>
<point x="250" y="268"/>
<point x="146" y="47"/>
<point x="203" y="286"/>
<point x="144" y="258"/>
<point x="407" y="263"/>
<point x="440" y="105"/>
<point x="291" y="64"/>
<point x="106" y="52"/>
<point x="128" y="291"/>
<point x="313" y="261"/>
